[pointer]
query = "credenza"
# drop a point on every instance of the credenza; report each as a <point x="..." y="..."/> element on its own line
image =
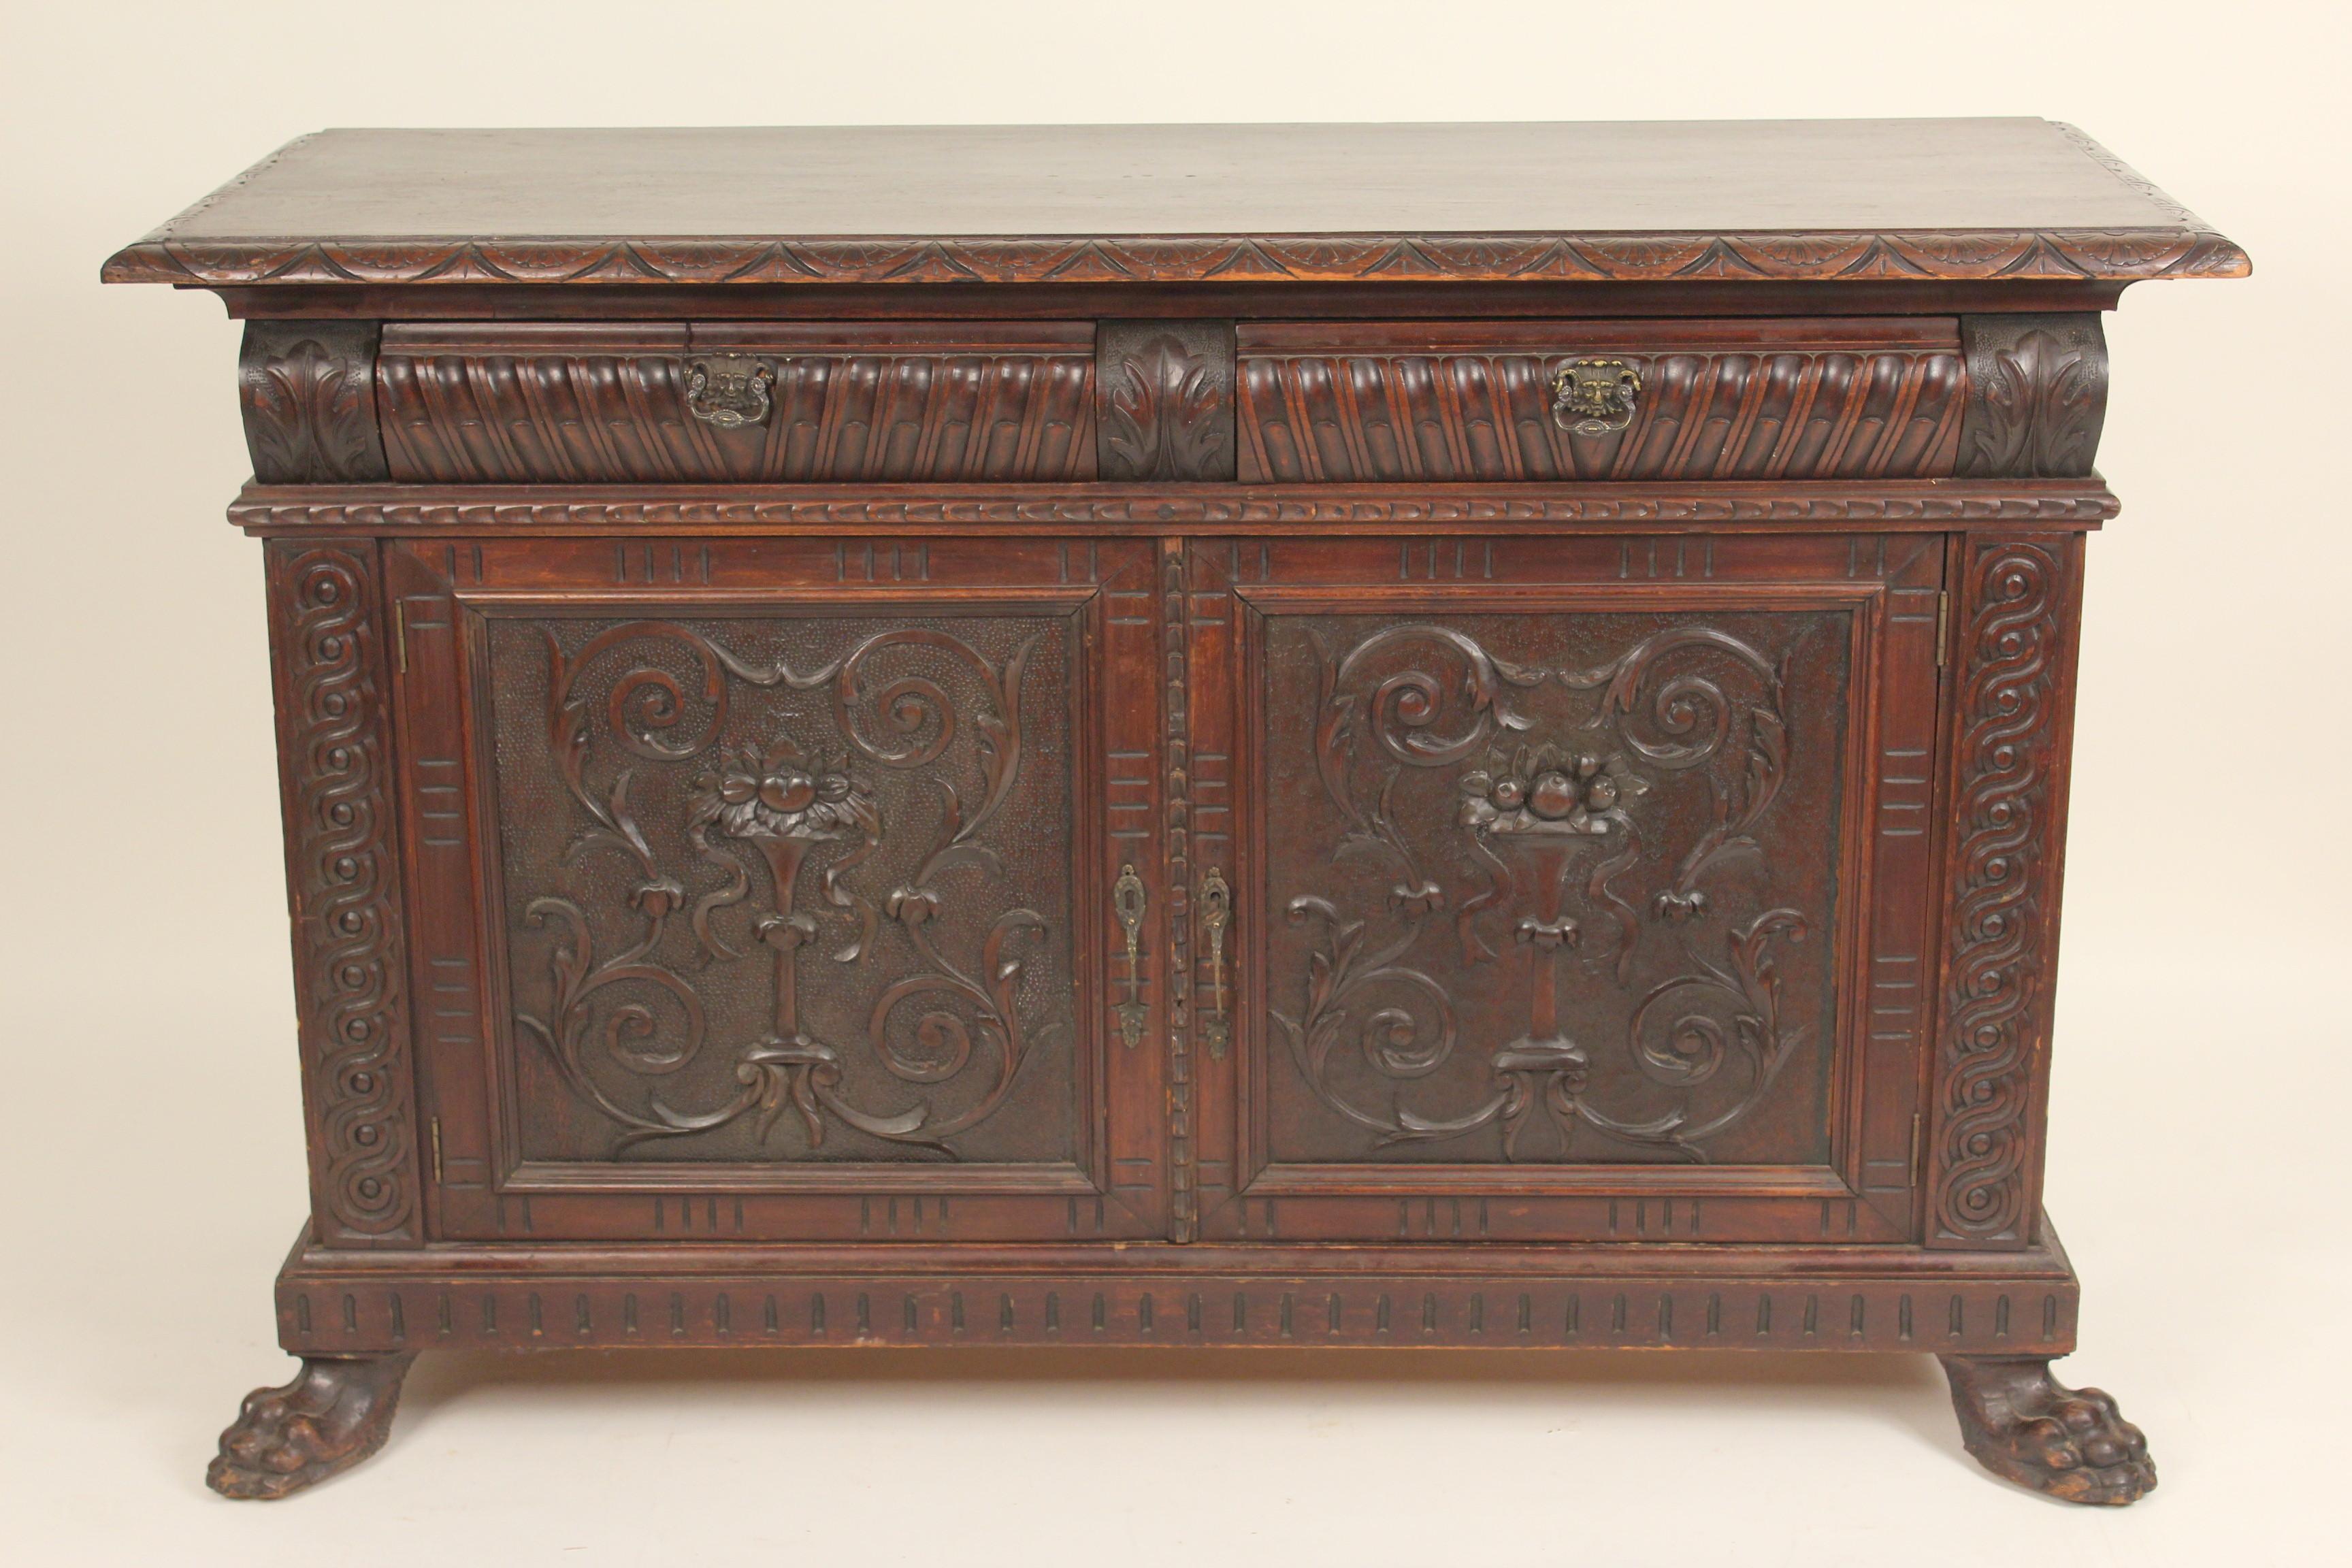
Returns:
<point x="1260" y="735"/>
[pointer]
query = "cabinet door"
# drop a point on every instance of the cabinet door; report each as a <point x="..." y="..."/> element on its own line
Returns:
<point x="1561" y="888"/>
<point x="769" y="887"/>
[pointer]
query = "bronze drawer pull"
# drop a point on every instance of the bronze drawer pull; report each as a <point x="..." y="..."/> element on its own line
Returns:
<point x="1594" y="396"/>
<point x="1216" y="913"/>
<point x="729" y="391"/>
<point x="1127" y="903"/>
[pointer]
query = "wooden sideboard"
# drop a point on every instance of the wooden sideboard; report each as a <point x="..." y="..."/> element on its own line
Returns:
<point x="1308" y="735"/>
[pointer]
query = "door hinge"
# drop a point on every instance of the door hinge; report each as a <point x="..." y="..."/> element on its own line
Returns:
<point x="437" y="1151"/>
<point x="400" y="634"/>
<point x="1916" y="1174"/>
<point x="1943" y="626"/>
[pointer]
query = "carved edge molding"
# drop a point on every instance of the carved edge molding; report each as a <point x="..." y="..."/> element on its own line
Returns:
<point x="1925" y="503"/>
<point x="2013" y="699"/>
<point x="342" y="1315"/>
<point x="2130" y="176"/>
<point x="1185" y="1213"/>
<point x="2037" y="395"/>
<point x="342" y="877"/>
<point x="307" y="390"/>
<point x="2187" y="250"/>
<point x="1164" y="401"/>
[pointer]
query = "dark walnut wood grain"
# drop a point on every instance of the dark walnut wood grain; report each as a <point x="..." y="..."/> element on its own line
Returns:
<point x="336" y="1413"/>
<point x="1816" y="200"/>
<point x="1414" y="735"/>
<point x="2026" y="1427"/>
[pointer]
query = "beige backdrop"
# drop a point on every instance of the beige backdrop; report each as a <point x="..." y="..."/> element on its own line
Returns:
<point x="150" y="1151"/>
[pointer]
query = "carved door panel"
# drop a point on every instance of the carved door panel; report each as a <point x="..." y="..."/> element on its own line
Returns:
<point x="1561" y="888"/>
<point x="770" y="888"/>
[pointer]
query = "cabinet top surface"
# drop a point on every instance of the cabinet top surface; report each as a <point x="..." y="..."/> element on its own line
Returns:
<point x="1721" y="200"/>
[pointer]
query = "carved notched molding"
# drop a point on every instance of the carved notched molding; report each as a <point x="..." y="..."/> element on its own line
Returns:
<point x="307" y="393"/>
<point x="1916" y="503"/>
<point x="350" y="974"/>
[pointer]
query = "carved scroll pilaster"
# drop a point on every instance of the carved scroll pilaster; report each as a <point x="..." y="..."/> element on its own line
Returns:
<point x="342" y="875"/>
<point x="2009" y="802"/>
<point x="1164" y="400"/>
<point x="2037" y="395"/>
<point x="307" y="393"/>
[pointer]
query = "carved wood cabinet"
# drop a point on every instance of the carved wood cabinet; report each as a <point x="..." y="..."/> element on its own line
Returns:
<point x="1012" y="736"/>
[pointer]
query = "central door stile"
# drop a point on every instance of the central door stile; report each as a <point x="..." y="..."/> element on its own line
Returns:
<point x="1176" y="850"/>
<point x="1211" y="873"/>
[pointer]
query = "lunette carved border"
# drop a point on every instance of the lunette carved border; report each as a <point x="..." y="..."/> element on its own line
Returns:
<point x="2013" y="641"/>
<point x="343" y="880"/>
<point x="1920" y="504"/>
<point x="2123" y="254"/>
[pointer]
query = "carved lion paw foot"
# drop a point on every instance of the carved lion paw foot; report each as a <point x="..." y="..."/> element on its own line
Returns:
<point x="2026" y="1427"/>
<point x="333" y="1415"/>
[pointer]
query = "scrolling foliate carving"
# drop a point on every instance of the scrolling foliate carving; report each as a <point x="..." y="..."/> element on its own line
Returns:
<point x="2037" y="395"/>
<point x="307" y="393"/>
<point x="343" y="868"/>
<point x="1165" y="400"/>
<point x="2007" y="797"/>
<point x="777" y="838"/>
<point x="1580" y="836"/>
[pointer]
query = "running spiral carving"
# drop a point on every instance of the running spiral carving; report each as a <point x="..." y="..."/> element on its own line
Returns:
<point x="2009" y="698"/>
<point x="1552" y="821"/>
<point x="764" y="816"/>
<point x="353" y="1013"/>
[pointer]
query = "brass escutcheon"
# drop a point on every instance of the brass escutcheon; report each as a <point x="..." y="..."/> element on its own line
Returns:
<point x="1216" y="913"/>
<point x="1127" y="904"/>
<point x="729" y="391"/>
<point x="1594" y="396"/>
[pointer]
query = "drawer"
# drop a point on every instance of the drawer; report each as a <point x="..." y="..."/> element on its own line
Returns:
<point x="507" y="402"/>
<point x="1629" y="400"/>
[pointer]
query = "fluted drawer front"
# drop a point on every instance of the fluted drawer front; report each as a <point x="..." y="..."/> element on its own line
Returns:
<point x="1799" y="399"/>
<point x="524" y="403"/>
